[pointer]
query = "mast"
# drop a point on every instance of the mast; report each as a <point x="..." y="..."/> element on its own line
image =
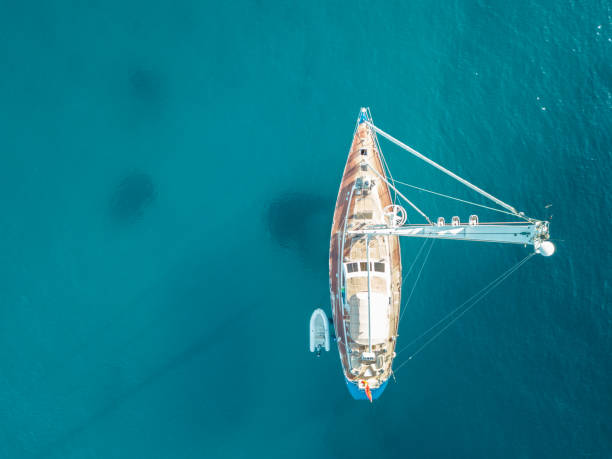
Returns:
<point x="530" y="232"/>
<point x="369" y="309"/>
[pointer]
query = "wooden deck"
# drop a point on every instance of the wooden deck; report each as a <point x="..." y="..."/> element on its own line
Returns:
<point x="352" y="211"/>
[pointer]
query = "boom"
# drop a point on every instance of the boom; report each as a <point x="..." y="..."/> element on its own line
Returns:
<point x="535" y="233"/>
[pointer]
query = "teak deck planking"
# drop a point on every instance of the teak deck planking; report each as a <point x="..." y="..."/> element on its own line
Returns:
<point x="363" y="138"/>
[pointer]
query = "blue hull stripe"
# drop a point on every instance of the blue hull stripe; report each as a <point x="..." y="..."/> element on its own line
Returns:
<point x="359" y="394"/>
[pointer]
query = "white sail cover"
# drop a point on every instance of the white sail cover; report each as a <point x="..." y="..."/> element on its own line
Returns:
<point x="379" y="305"/>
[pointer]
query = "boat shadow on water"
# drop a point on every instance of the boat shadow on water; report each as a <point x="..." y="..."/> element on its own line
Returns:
<point x="145" y="85"/>
<point x="300" y="222"/>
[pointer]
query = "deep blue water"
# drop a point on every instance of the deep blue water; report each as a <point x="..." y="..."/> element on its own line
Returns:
<point x="167" y="181"/>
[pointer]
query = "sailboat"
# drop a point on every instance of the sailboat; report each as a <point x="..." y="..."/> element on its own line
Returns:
<point x="365" y="266"/>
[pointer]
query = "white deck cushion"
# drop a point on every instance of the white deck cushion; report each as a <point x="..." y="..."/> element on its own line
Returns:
<point x="379" y="305"/>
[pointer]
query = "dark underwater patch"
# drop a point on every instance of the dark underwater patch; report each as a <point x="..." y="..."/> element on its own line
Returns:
<point x="133" y="194"/>
<point x="214" y="406"/>
<point x="302" y="222"/>
<point x="145" y="85"/>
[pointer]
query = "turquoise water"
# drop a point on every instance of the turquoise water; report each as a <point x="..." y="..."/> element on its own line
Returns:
<point x="168" y="179"/>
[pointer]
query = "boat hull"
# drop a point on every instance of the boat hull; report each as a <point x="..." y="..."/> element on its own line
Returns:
<point x="364" y="362"/>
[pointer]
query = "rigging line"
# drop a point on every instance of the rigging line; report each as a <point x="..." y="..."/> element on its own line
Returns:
<point x="414" y="261"/>
<point x="340" y="258"/>
<point x="400" y="194"/>
<point x="410" y="269"/>
<point x="490" y="287"/>
<point x="502" y="275"/>
<point x="443" y="169"/>
<point x="455" y="319"/>
<point x="415" y="282"/>
<point x="388" y="172"/>
<point x="386" y="168"/>
<point x="384" y="160"/>
<point x="463" y="200"/>
<point x="463" y="312"/>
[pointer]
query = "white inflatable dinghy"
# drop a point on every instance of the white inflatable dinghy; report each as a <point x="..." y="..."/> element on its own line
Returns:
<point x="319" y="331"/>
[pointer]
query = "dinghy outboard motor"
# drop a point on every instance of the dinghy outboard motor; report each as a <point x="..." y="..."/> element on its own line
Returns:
<point x="319" y="332"/>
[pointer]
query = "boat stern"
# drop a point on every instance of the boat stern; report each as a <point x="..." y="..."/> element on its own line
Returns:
<point x="360" y="394"/>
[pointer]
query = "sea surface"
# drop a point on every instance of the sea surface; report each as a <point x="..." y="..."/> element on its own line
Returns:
<point x="168" y="173"/>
